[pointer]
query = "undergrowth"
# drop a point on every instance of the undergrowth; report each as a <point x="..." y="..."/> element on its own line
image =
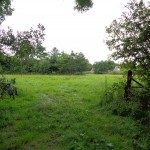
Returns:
<point x="137" y="107"/>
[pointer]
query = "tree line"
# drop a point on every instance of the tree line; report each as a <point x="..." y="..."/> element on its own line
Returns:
<point x="23" y="52"/>
<point x="53" y="62"/>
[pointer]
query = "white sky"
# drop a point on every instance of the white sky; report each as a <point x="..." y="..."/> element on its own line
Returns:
<point x="67" y="29"/>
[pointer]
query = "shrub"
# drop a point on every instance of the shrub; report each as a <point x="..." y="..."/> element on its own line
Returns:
<point x="7" y="87"/>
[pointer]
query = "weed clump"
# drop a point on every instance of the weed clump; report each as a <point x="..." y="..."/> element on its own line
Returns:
<point x="7" y="87"/>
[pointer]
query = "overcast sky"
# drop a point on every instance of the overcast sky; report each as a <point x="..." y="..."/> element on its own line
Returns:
<point x="67" y="29"/>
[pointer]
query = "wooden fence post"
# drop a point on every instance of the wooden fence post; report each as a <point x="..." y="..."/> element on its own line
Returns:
<point x="128" y="86"/>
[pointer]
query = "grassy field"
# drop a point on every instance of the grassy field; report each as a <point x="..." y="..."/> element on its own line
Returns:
<point x="62" y="113"/>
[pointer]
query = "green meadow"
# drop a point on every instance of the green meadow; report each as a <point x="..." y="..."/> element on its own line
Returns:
<point x="62" y="112"/>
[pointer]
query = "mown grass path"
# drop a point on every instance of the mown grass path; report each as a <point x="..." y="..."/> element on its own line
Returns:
<point x="62" y="113"/>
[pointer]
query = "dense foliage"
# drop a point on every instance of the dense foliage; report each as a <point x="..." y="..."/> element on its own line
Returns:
<point x="5" y="9"/>
<point x="21" y="49"/>
<point x="83" y="5"/>
<point x="7" y="87"/>
<point x="104" y="66"/>
<point x="26" y="61"/>
<point x="130" y="38"/>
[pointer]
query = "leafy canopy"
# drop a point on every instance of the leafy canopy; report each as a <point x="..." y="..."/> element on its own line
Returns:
<point x="129" y="37"/>
<point x="5" y="9"/>
<point x="103" y="66"/>
<point x="83" y="5"/>
<point x="23" y="43"/>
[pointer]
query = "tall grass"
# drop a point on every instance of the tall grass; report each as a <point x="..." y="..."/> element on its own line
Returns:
<point x="62" y="112"/>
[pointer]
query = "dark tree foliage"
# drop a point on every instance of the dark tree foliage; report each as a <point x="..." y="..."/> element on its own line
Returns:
<point x="103" y="66"/>
<point x="54" y="54"/>
<point x="55" y="62"/>
<point x="74" y="63"/>
<point x="83" y="5"/>
<point x="7" y="40"/>
<point x="5" y="9"/>
<point x="130" y="37"/>
<point x="28" y="44"/>
<point x="24" y="47"/>
<point x="23" y="43"/>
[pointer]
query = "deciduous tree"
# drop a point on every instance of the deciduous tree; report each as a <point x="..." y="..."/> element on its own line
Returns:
<point x="103" y="66"/>
<point x="129" y="37"/>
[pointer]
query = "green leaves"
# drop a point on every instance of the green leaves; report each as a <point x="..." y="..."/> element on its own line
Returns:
<point x="5" y="9"/>
<point x="72" y="63"/>
<point x="21" y="50"/>
<point x="129" y="36"/>
<point x="83" y="5"/>
<point x="103" y="66"/>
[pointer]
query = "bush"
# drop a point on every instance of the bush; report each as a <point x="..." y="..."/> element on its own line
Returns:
<point x="7" y="87"/>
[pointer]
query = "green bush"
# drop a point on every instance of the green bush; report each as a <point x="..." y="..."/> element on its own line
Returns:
<point x="7" y="87"/>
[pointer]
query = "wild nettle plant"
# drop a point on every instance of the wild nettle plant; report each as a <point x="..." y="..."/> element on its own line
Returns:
<point x="7" y="87"/>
